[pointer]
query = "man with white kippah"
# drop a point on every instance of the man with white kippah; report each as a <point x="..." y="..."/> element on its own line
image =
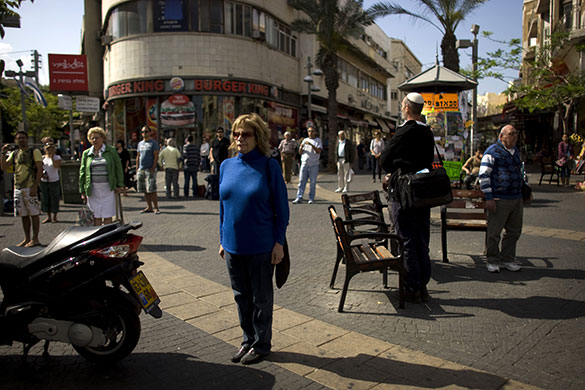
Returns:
<point x="411" y="150"/>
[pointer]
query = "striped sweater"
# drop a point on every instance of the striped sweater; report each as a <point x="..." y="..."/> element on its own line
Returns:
<point x="500" y="174"/>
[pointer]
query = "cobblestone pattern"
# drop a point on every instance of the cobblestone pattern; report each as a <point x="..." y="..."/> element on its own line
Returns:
<point x="526" y="325"/>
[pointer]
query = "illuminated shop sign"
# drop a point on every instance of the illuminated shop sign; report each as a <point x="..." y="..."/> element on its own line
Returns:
<point x="231" y="86"/>
<point x="197" y="86"/>
<point x="139" y="86"/>
<point x="440" y="102"/>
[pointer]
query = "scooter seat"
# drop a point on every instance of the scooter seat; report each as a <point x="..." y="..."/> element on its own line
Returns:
<point x="17" y="258"/>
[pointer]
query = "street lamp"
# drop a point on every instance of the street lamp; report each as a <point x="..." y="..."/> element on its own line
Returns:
<point x="21" y="74"/>
<point x="462" y="44"/>
<point x="312" y="88"/>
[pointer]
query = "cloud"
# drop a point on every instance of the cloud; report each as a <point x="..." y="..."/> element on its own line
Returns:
<point x="5" y="47"/>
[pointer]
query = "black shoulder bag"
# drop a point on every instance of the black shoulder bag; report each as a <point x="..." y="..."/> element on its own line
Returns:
<point x="282" y="269"/>
<point x="424" y="189"/>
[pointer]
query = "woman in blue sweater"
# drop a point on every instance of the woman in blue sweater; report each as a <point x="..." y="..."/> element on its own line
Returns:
<point x="253" y="216"/>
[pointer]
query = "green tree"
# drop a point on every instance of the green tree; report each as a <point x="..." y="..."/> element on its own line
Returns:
<point x="7" y="9"/>
<point x="43" y="121"/>
<point x="332" y="24"/>
<point x="445" y="15"/>
<point x="547" y="82"/>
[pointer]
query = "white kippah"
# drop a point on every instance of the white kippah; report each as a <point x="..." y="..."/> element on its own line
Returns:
<point x="415" y="98"/>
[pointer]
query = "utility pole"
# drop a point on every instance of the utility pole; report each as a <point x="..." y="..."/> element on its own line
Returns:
<point x="36" y="61"/>
<point x="21" y="74"/>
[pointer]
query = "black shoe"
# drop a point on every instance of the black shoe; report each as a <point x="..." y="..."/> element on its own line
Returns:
<point x="252" y="357"/>
<point x="412" y="296"/>
<point x="241" y="352"/>
<point x="424" y="294"/>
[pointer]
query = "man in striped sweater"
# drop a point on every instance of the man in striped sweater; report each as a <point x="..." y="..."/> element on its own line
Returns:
<point x="500" y="177"/>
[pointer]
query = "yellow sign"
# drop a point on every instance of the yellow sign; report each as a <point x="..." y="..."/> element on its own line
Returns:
<point x="440" y="102"/>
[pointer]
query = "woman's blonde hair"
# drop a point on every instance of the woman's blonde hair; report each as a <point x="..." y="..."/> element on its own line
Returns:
<point x="97" y="130"/>
<point x="259" y="128"/>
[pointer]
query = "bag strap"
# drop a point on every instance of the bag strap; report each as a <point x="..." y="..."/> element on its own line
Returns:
<point x="438" y="154"/>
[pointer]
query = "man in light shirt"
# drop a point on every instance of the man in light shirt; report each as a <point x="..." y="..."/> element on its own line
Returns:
<point x="310" y="151"/>
<point x="345" y="157"/>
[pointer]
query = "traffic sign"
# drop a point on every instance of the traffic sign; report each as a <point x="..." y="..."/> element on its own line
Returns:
<point x="64" y="102"/>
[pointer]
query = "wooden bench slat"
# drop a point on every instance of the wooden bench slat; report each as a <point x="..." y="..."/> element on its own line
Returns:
<point x="452" y="215"/>
<point x="369" y="253"/>
<point x="382" y="251"/>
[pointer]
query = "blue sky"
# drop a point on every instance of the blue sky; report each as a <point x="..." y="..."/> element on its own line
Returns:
<point x="54" y="26"/>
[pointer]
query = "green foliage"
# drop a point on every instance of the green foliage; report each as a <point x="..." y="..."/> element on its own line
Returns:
<point x="42" y="121"/>
<point x="444" y="15"/>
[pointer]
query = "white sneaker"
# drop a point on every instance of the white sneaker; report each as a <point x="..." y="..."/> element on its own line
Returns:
<point x="297" y="200"/>
<point x="512" y="266"/>
<point x="344" y="191"/>
<point x="493" y="267"/>
<point x="338" y="189"/>
<point x="310" y="202"/>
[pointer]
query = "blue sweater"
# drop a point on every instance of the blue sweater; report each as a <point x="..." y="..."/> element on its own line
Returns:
<point x="500" y="173"/>
<point x="246" y="212"/>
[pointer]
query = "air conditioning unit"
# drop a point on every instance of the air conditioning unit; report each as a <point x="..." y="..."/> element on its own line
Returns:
<point x="107" y="39"/>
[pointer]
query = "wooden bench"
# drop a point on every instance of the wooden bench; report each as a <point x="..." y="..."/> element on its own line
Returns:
<point x="368" y="254"/>
<point x="366" y="206"/>
<point x="466" y="212"/>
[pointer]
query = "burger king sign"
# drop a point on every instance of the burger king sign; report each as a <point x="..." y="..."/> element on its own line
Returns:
<point x="177" y="110"/>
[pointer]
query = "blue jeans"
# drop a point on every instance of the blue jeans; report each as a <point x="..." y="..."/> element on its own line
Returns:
<point x="413" y="226"/>
<point x="251" y="280"/>
<point x="188" y="176"/>
<point x="308" y="173"/>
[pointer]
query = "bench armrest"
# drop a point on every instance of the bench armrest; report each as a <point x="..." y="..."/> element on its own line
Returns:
<point x="377" y="236"/>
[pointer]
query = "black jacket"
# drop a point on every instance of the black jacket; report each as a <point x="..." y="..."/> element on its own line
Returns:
<point x="349" y="150"/>
<point x="411" y="149"/>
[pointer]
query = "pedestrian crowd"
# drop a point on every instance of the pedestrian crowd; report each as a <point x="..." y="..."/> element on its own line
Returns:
<point x="252" y="193"/>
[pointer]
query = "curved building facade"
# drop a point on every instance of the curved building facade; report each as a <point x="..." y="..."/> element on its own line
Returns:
<point x="189" y="66"/>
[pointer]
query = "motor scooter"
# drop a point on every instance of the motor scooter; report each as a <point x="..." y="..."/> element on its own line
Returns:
<point x="84" y="288"/>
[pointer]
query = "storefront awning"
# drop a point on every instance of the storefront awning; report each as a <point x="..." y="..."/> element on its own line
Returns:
<point x="373" y="123"/>
<point x="317" y="108"/>
<point x="358" y="122"/>
<point x="384" y="125"/>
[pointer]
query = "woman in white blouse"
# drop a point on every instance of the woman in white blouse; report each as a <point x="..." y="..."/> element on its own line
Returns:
<point x="50" y="183"/>
<point x="376" y="147"/>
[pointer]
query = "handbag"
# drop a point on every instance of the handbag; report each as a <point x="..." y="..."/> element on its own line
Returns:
<point x="84" y="216"/>
<point x="424" y="189"/>
<point x="561" y="161"/>
<point x="282" y="269"/>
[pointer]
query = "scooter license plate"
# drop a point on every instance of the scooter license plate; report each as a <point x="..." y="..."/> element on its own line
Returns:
<point x="144" y="291"/>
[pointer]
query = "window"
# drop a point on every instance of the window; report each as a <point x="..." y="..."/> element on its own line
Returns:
<point x="567" y="15"/>
<point x="211" y="15"/>
<point x="394" y="95"/>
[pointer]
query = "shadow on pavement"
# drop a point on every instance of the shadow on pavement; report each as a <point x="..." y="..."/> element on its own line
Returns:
<point x="537" y="307"/>
<point x="140" y="371"/>
<point x="444" y="273"/>
<point x="378" y="369"/>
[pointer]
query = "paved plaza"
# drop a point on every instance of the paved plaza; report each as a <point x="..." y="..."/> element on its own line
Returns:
<point x="478" y="331"/>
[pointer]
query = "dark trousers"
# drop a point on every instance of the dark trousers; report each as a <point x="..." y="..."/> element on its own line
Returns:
<point x="251" y="280"/>
<point x="413" y="226"/>
<point x="376" y="165"/>
<point x="172" y="179"/>
<point x="188" y="176"/>
<point x="50" y="196"/>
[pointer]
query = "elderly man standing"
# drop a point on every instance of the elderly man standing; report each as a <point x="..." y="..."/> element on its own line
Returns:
<point x="345" y="155"/>
<point x="500" y="178"/>
<point x="169" y="159"/>
<point x="310" y="151"/>
<point x="287" y="149"/>
<point x="28" y="170"/>
<point x="411" y="150"/>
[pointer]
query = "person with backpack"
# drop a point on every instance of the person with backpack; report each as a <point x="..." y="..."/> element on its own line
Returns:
<point x="28" y="169"/>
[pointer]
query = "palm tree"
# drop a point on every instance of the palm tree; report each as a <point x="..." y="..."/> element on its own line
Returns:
<point x="448" y="14"/>
<point x="332" y="24"/>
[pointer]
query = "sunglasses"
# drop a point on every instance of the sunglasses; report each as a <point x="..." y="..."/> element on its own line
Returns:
<point x="243" y="134"/>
